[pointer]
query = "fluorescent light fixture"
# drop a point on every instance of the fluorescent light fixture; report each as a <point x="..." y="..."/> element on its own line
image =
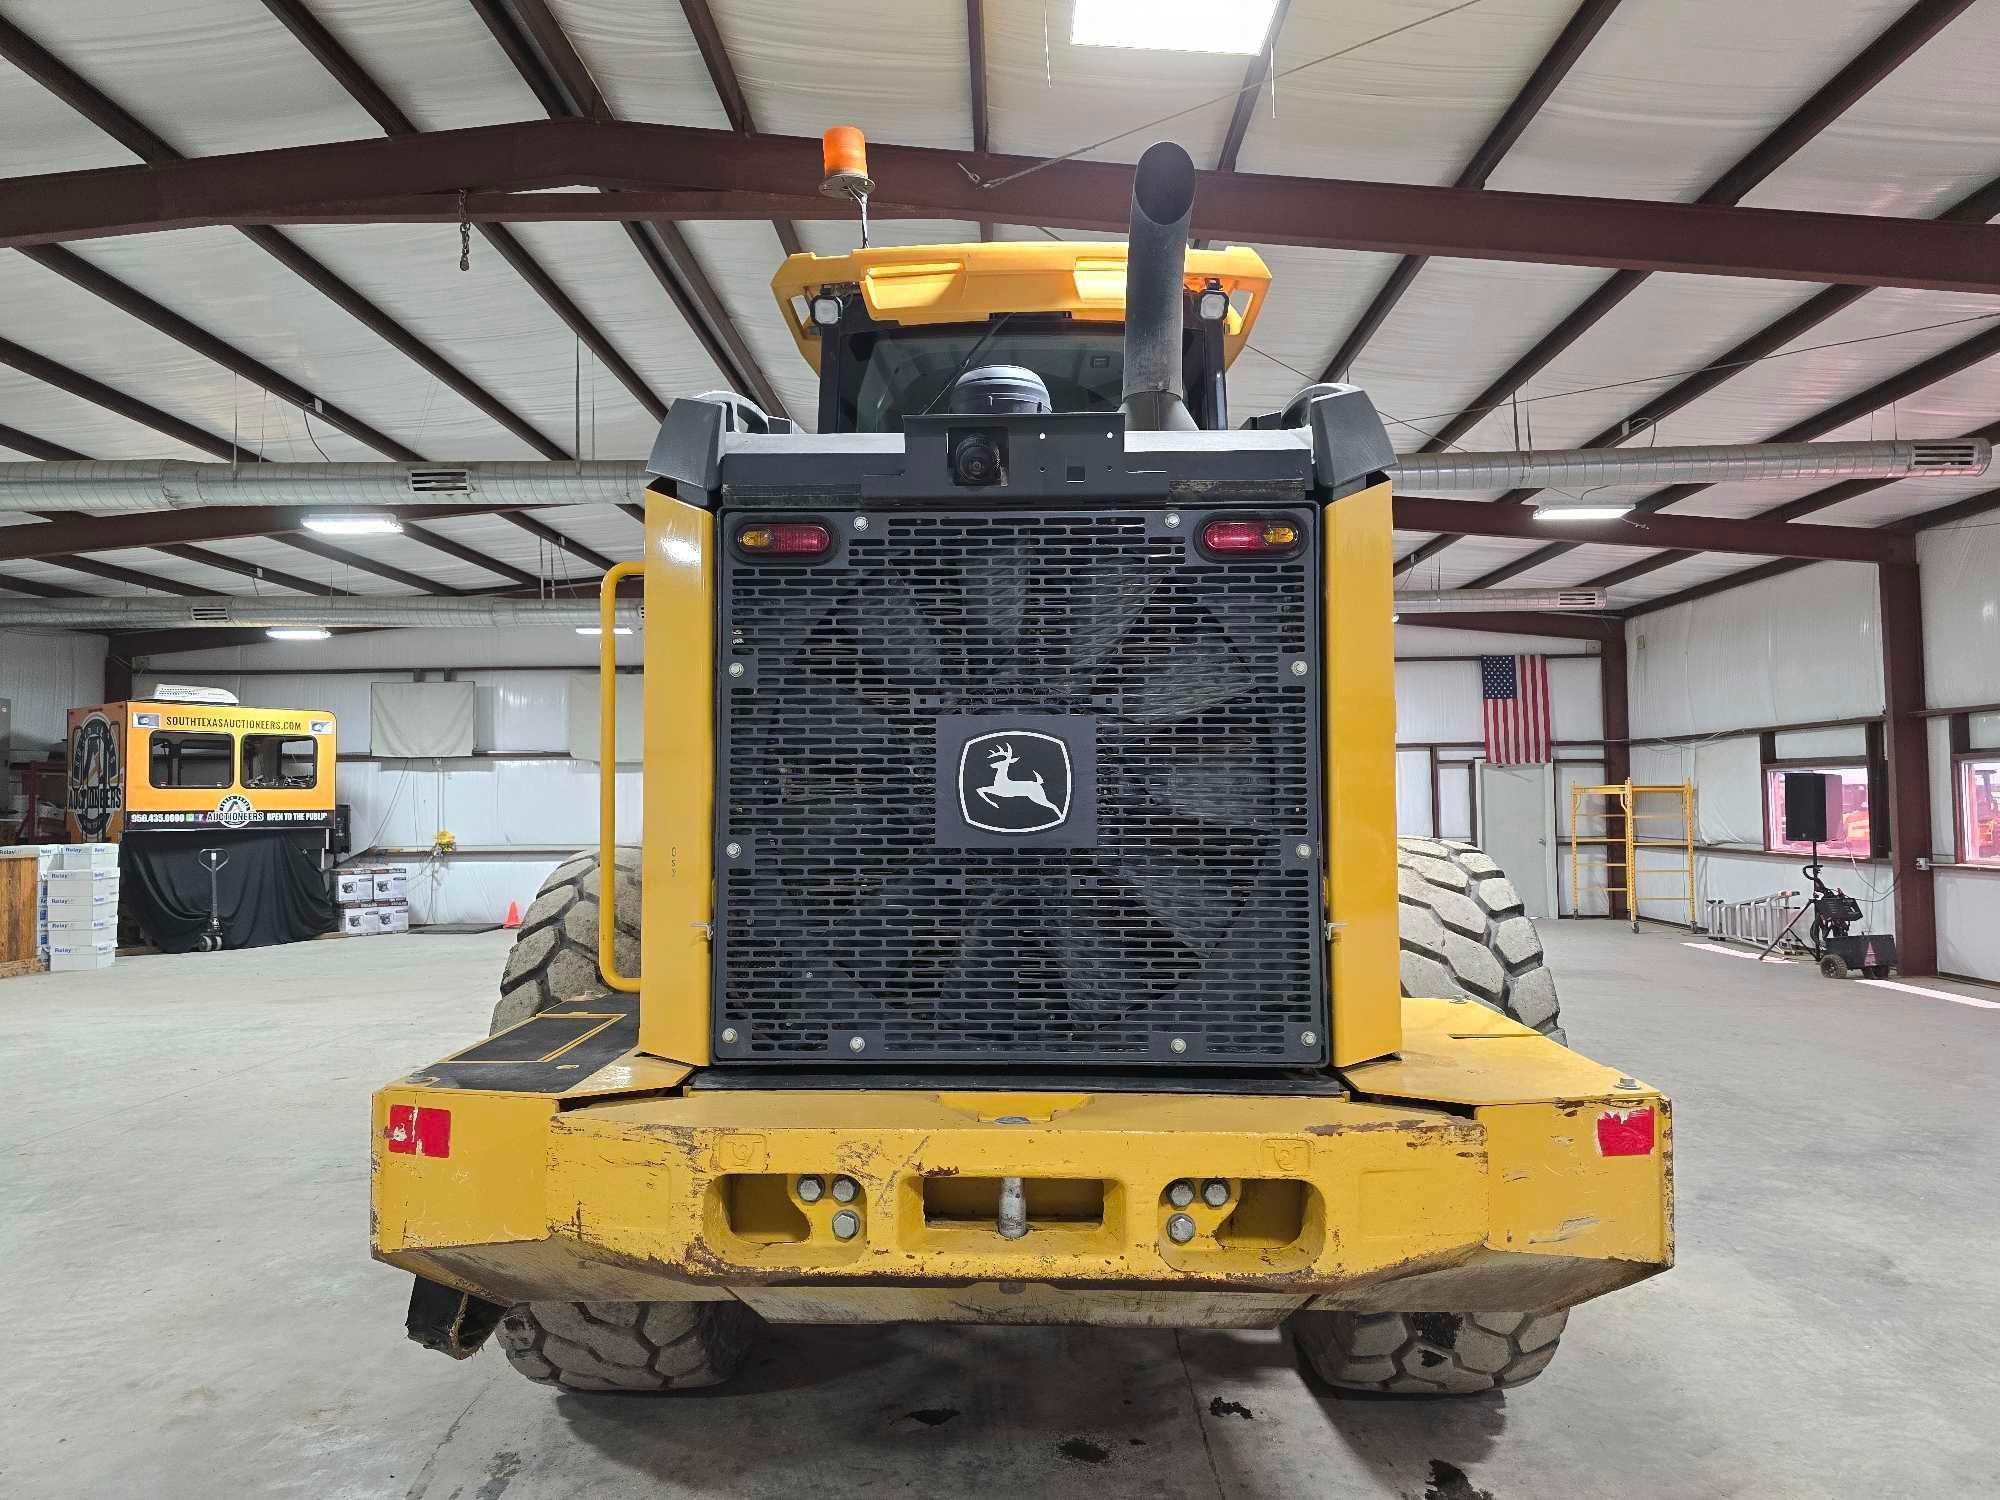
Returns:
<point x="1474" y="601"/>
<point x="598" y="630"/>
<point x="1173" y="25"/>
<point x="1606" y="511"/>
<point x="298" y="632"/>
<point x="356" y="523"/>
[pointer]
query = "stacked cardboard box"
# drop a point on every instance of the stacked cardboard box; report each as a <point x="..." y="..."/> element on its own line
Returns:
<point x="82" y="905"/>
<point x="373" y="899"/>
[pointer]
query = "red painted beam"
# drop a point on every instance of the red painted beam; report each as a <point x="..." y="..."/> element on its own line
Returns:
<point x="1907" y="742"/>
<point x="1706" y="533"/>
<point x="1397" y="218"/>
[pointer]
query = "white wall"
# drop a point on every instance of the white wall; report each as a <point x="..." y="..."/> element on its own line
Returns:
<point x="1437" y="703"/>
<point x="43" y="676"/>
<point x="46" y="675"/>
<point x="1961" y="577"/>
<point x="1804" y="647"/>
<point x="518" y="806"/>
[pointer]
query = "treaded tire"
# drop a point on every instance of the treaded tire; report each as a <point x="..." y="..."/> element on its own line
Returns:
<point x="554" y="957"/>
<point x="629" y="1346"/>
<point x="1465" y="933"/>
<point x="1427" y="1354"/>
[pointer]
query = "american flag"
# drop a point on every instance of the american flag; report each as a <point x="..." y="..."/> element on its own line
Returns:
<point x="1514" y="693"/>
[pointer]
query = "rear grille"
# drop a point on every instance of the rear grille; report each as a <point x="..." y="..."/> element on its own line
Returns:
<point x="1175" y="921"/>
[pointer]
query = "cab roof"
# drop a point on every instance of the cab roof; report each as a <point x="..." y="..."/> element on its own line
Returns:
<point x="912" y="285"/>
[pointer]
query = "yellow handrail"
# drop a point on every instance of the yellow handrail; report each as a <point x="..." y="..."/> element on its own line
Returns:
<point x="607" y="777"/>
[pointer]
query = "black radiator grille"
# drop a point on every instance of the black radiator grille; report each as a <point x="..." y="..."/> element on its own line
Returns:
<point x="1187" y="934"/>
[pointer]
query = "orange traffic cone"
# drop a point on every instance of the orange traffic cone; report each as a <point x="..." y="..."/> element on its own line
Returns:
<point x="513" y="918"/>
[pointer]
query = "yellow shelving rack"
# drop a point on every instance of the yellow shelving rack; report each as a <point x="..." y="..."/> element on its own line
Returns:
<point x="1623" y="876"/>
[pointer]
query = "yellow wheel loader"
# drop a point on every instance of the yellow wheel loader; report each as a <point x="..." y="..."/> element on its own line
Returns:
<point x="1019" y="932"/>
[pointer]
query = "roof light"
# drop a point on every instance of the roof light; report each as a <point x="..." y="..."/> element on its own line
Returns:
<point x="354" y="523"/>
<point x="843" y="153"/>
<point x="599" y="630"/>
<point x="1173" y="25"/>
<point x="298" y="632"/>
<point x="1213" y="305"/>
<point x="784" y="538"/>
<point x="1595" y="511"/>
<point x="826" y="310"/>
<point x="1253" y="536"/>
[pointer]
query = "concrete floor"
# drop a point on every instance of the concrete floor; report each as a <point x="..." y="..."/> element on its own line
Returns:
<point x="195" y="1314"/>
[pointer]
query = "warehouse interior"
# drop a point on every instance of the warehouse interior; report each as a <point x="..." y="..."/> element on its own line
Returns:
<point x="340" y="346"/>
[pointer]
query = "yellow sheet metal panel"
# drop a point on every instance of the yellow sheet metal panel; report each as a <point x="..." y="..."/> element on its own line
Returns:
<point x="1555" y="1191"/>
<point x="928" y="284"/>
<point x="1361" y="777"/>
<point x="678" y="780"/>
<point x="486" y="1184"/>
<point x="706" y="1186"/>
<point x="1460" y="1052"/>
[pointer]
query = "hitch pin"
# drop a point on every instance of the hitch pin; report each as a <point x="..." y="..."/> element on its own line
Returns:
<point x="1013" y="1209"/>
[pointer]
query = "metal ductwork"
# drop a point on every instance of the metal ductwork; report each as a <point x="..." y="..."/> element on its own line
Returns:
<point x="119" y="487"/>
<point x="122" y="487"/>
<point x="1477" y="601"/>
<point x="1155" y="289"/>
<point x="1427" y="473"/>
<point x="149" y="612"/>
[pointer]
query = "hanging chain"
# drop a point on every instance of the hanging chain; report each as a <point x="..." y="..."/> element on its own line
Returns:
<point x="464" y="234"/>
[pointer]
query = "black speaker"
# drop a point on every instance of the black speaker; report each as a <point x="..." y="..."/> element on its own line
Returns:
<point x="1812" y="806"/>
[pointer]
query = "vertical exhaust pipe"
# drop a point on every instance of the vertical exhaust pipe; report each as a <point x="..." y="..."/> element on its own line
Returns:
<point x="1155" y="274"/>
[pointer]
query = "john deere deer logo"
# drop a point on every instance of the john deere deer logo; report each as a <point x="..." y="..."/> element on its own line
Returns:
<point x="1027" y="800"/>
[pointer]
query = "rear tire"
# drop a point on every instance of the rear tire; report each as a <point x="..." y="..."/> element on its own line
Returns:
<point x="1427" y="1354"/>
<point x="1465" y="933"/>
<point x="554" y="957"/>
<point x="629" y="1346"/>
<point x="1833" y="966"/>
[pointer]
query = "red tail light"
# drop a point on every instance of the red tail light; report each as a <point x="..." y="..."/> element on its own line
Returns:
<point x="1252" y="536"/>
<point x="784" y="538"/>
<point x="1626" y="1132"/>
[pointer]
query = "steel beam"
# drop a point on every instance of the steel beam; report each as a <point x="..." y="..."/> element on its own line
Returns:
<point x="1906" y="739"/>
<point x="366" y="92"/>
<point x="1881" y="57"/>
<point x="556" y="539"/>
<point x="1716" y="586"/>
<point x="254" y="571"/>
<point x="130" y="577"/>
<point x="82" y="386"/>
<point x="39" y="590"/>
<point x="80" y="273"/>
<point x="921" y="181"/>
<point x="729" y="89"/>
<point x="1584" y="24"/>
<point x="1565" y="625"/>
<point x="18" y="48"/>
<point x="34" y="447"/>
<point x="548" y="62"/>
<point x="1708" y="533"/>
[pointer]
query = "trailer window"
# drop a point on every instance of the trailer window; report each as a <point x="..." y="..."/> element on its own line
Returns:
<point x="190" y="760"/>
<point x="277" y="760"/>
<point x="1850" y="839"/>
<point x="1979" y="810"/>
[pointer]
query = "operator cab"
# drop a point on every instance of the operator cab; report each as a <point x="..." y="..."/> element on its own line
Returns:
<point x="892" y="329"/>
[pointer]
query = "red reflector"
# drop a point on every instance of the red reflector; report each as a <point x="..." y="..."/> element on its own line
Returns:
<point x="416" y="1131"/>
<point x="1625" y="1132"/>
<point x="1249" y="536"/>
<point x="785" y="538"/>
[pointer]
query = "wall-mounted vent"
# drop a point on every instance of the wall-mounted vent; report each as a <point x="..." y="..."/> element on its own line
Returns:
<point x="440" y="482"/>
<point x="1949" y="456"/>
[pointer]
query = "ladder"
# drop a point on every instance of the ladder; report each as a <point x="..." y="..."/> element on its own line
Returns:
<point x="1665" y="827"/>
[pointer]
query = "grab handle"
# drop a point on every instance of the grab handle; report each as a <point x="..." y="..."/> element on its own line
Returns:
<point x="607" y="777"/>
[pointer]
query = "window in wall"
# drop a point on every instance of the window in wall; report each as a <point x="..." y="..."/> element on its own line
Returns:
<point x="1849" y="837"/>
<point x="277" y="760"/>
<point x="1979" y="809"/>
<point x="190" y="760"/>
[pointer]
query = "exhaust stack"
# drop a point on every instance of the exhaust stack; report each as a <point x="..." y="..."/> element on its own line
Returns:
<point x="1155" y="273"/>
